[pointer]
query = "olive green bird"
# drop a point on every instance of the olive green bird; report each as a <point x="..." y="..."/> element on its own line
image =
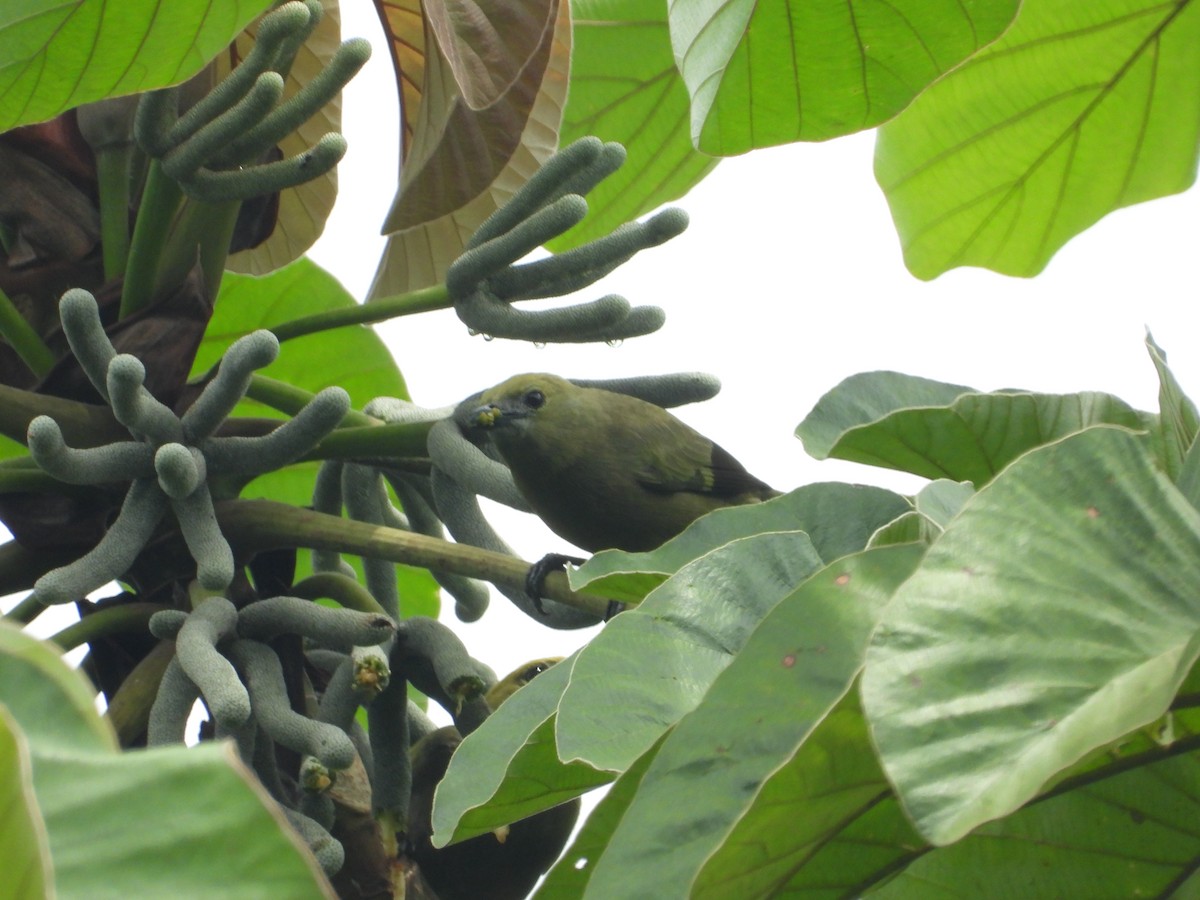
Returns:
<point x="606" y="470"/>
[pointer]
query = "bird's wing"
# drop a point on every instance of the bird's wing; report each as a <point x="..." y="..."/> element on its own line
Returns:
<point x="698" y="466"/>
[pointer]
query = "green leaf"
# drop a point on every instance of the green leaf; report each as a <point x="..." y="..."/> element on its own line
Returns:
<point x="144" y="823"/>
<point x="791" y="672"/>
<point x="60" y="54"/>
<point x="826" y="824"/>
<point x="761" y="74"/>
<point x="25" y="849"/>
<point x="940" y="501"/>
<point x="1132" y="835"/>
<point x="1056" y="613"/>
<point x="508" y="768"/>
<point x="52" y="704"/>
<point x="652" y="665"/>
<point x="839" y="519"/>
<point x="571" y="873"/>
<point x="625" y="87"/>
<point x="1177" y="415"/>
<point x="353" y="357"/>
<point x="947" y="431"/>
<point x="1078" y="110"/>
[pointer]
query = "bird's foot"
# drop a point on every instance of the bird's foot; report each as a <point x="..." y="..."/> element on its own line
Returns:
<point x="551" y="562"/>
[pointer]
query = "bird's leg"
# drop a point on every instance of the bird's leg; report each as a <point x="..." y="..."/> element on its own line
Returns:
<point x="551" y="562"/>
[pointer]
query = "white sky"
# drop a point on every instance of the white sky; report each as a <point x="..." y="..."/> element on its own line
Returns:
<point x="788" y="280"/>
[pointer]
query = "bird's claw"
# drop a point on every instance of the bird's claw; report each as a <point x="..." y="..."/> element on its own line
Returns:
<point x="551" y="562"/>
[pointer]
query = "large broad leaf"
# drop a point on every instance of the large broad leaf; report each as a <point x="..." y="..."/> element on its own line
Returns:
<point x="25" y="849"/>
<point x="838" y="518"/>
<point x="945" y="430"/>
<point x="570" y="875"/>
<point x="1178" y="420"/>
<point x="824" y="825"/>
<point x="1056" y="613"/>
<point x="56" y="55"/>
<point x="304" y="208"/>
<point x="509" y="767"/>
<point x="462" y="163"/>
<point x="1131" y="835"/>
<point x="653" y="664"/>
<point x="1079" y="109"/>
<point x="625" y="87"/>
<point x="792" y="671"/>
<point x="600" y="710"/>
<point x="353" y="357"/>
<point x="145" y="823"/>
<point x="761" y="74"/>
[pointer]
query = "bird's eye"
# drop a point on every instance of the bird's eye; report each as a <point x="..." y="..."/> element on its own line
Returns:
<point x="534" y="670"/>
<point x="535" y="399"/>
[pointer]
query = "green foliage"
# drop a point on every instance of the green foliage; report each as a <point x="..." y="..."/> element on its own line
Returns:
<point x="131" y="47"/>
<point x="121" y="824"/>
<point x="989" y="689"/>
<point x="763" y="74"/>
<point x="1078" y="110"/>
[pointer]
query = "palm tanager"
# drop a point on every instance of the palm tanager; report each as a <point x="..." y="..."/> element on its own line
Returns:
<point x="607" y="470"/>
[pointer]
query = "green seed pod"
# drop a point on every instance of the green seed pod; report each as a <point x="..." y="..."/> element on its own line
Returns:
<point x="329" y="853"/>
<point x="173" y="703"/>
<point x="116" y="462"/>
<point x="336" y="629"/>
<point x="268" y="697"/>
<point x="247" y="354"/>
<point x="213" y="622"/>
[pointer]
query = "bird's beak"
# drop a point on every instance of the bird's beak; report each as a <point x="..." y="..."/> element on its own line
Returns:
<point x="488" y="416"/>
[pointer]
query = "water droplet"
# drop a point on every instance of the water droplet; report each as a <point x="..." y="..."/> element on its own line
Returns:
<point x="615" y="342"/>
<point x="489" y="337"/>
<point x="473" y="332"/>
<point x="539" y="345"/>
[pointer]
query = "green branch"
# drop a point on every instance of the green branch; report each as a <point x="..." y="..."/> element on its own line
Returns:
<point x="161" y="198"/>
<point x="402" y="440"/>
<point x="113" y="619"/>
<point x="83" y="424"/>
<point x="257" y="525"/>
<point x="112" y="181"/>
<point x="423" y="300"/>
<point x="288" y="398"/>
<point x="22" y="338"/>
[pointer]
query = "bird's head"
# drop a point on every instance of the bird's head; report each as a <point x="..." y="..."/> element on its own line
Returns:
<point x="515" y="404"/>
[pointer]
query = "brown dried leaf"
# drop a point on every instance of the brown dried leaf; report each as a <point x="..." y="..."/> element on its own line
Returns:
<point x="487" y="46"/>
<point x="404" y="23"/>
<point x="464" y="164"/>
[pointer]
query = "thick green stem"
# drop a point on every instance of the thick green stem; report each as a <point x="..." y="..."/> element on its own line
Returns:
<point x="341" y="588"/>
<point x="103" y="622"/>
<point x="112" y="176"/>
<point x="129" y="709"/>
<point x="25" y="611"/>
<point x="20" y="335"/>
<point x="252" y="525"/>
<point x="202" y="234"/>
<point x="32" y="480"/>
<point x="160" y="200"/>
<point x="424" y="300"/>
<point x="82" y="424"/>
<point x="20" y="568"/>
<point x="290" y="399"/>
<point x="399" y="440"/>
